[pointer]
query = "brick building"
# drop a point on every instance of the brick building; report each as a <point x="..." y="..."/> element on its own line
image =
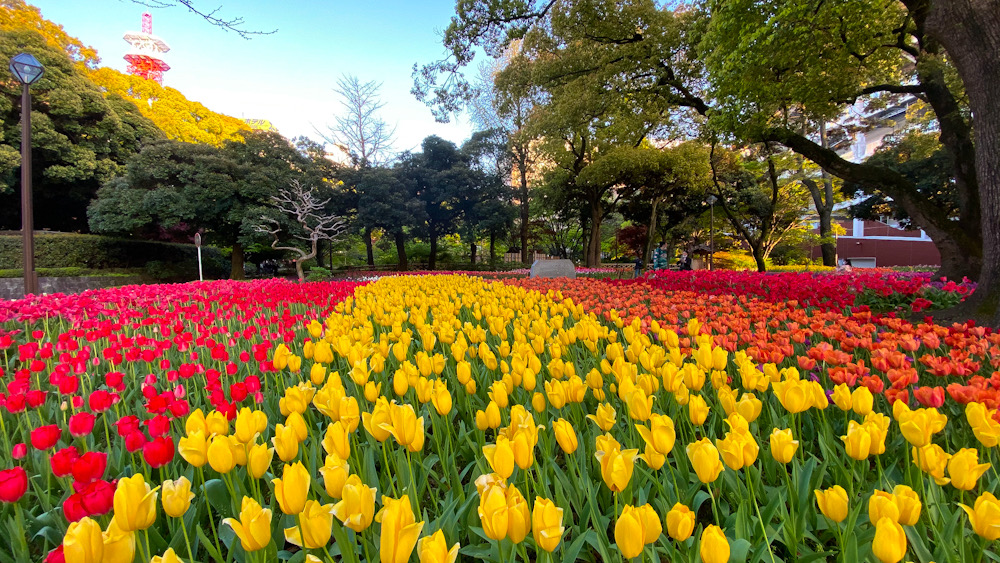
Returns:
<point x="871" y="244"/>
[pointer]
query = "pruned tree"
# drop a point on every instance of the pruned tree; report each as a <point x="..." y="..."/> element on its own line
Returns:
<point x="303" y="207"/>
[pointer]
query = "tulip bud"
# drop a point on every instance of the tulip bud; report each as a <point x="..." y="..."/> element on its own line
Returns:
<point x="565" y="435"/>
<point x="84" y="542"/>
<point x="546" y="524"/>
<point x="292" y="488"/>
<point x="254" y="526"/>
<point x="680" y="522"/>
<point x="176" y="497"/>
<point x="889" y="545"/>
<point x="714" y="545"/>
<point x="985" y="516"/>
<point x="434" y="549"/>
<point x="782" y="445"/>
<point x="833" y="503"/>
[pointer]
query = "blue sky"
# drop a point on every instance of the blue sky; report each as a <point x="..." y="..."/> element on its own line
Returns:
<point x="287" y="77"/>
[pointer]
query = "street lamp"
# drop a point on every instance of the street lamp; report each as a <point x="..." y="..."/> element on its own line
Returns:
<point x="711" y="233"/>
<point x="27" y="70"/>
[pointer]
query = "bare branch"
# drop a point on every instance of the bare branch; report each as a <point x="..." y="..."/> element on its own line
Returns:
<point x="231" y="24"/>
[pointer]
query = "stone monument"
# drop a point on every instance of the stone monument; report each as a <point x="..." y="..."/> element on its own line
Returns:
<point x="553" y="269"/>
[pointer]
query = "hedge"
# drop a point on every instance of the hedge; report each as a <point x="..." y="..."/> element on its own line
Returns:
<point x="160" y="260"/>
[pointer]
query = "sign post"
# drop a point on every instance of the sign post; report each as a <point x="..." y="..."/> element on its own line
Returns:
<point x="197" y="243"/>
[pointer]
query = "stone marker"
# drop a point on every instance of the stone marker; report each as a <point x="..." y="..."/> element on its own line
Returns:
<point x="553" y="269"/>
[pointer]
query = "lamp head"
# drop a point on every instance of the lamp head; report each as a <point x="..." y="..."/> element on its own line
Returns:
<point x="26" y="68"/>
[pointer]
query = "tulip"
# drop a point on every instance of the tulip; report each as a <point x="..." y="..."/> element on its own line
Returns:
<point x="546" y="524"/>
<point x="500" y="456"/>
<point x="336" y="440"/>
<point x="640" y="406"/>
<point x="660" y="434"/>
<point x="714" y="545"/>
<point x="220" y="454"/>
<point x="493" y="513"/>
<point x="13" y="484"/>
<point x="862" y="401"/>
<point x="985" y="516"/>
<point x="259" y="460"/>
<point x="168" y="557"/>
<point x="964" y="469"/>
<point x="697" y="410"/>
<point x="315" y="525"/>
<point x="357" y="504"/>
<point x="793" y="394"/>
<point x="605" y="417"/>
<point x="918" y="426"/>
<point x="335" y="472"/>
<point x="523" y="444"/>
<point x="984" y="426"/>
<point x="882" y="505"/>
<point x="857" y="442"/>
<point x="254" y="526"/>
<point x="194" y="448"/>
<point x="292" y="488"/>
<point x="176" y="497"/>
<point x="350" y="413"/>
<point x="842" y="397"/>
<point x="400" y="530"/>
<point x="216" y="423"/>
<point x="705" y="460"/>
<point x="749" y="407"/>
<point x="782" y="445"/>
<point x="441" y="398"/>
<point x="908" y="503"/>
<point x="518" y="515"/>
<point x="246" y="426"/>
<point x="84" y="542"/>
<point x="45" y="437"/>
<point x="652" y="458"/>
<point x="932" y="460"/>
<point x="889" y="545"/>
<point x="434" y="549"/>
<point x="565" y="435"/>
<point x="680" y="522"/>
<point x="538" y="402"/>
<point x="297" y="423"/>
<point x="405" y="427"/>
<point x="832" y="503"/>
<point x="877" y="426"/>
<point x="135" y="504"/>
<point x="616" y="467"/>
<point x="738" y="449"/>
<point x="629" y="534"/>
<point x="119" y="546"/>
<point x="651" y="526"/>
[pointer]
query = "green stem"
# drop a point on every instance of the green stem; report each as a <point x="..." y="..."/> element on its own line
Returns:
<point x="756" y="507"/>
<point x="187" y="540"/>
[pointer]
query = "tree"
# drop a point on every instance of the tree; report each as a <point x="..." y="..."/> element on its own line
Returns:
<point x="309" y="221"/>
<point x="80" y="138"/>
<point x="486" y="206"/>
<point x="386" y="202"/>
<point x="760" y="206"/>
<point x="360" y="132"/>
<point x="234" y="24"/>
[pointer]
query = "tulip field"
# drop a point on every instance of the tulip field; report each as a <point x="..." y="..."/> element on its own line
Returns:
<point x="685" y="417"/>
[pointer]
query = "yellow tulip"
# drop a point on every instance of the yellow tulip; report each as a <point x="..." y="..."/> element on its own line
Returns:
<point x="374" y="421"/>
<point x="84" y="542"/>
<point x="292" y="488"/>
<point x="323" y="353"/>
<point x="639" y="405"/>
<point x="119" y="546"/>
<point x="259" y="460"/>
<point x="660" y="435"/>
<point x="405" y="427"/>
<point x="463" y="371"/>
<point x="842" y="397"/>
<point x="220" y="454"/>
<point x="135" y="504"/>
<point x="441" y="398"/>
<point x="984" y="426"/>
<point x="518" y="515"/>
<point x="434" y="549"/>
<point x="651" y="526"/>
<point x="932" y="460"/>
<point x="246" y="426"/>
<point x="605" y="417"/>
<point x="738" y="449"/>
<point x="317" y="374"/>
<point x="964" y="469"/>
<point x="862" y="401"/>
<point x="546" y="524"/>
<point x="705" y="460"/>
<point x="565" y="435"/>
<point x="985" y="516"/>
<point x="357" y="504"/>
<point x="857" y="442"/>
<point x="680" y="522"/>
<point x="882" y="505"/>
<point x="500" y="456"/>
<point x="176" y="497"/>
<point x="629" y="533"/>
<point x="877" y="426"/>
<point x="314" y="526"/>
<point x="714" y="545"/>
<point x="652" y="458"/>
<point x="168" y="557"/>
<point x="749" y="407"/>
<point x="833" y="503"/>
<point x="616" y="467"/>
<point x="254" y="526"/>
<point x="286" y="443"/>
<point x="194" y="448"/>
<point x="493" y="512"/>
<point x="782" y="445"/>
<point x="697" y="409"/>
<point x="889" y="545"/>
<point x="335" y="472"/>
<point x="908" y="503"/>
<point x="919" y="426"/>
<point x="336" y="440"/>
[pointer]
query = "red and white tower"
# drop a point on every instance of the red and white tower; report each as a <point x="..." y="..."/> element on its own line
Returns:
<point x="144" y="58"/>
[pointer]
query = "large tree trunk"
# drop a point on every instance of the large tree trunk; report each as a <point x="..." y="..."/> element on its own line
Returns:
<point x="594" y="244"/>
<point x="650" y="242"/>
<point x="970" y="32"/>
<point x="472" y="252"/>
<point x="432" y="259"/>
<point x="825" y="209"/>
<point x="759" y="257"/>
<point x="236" y="263"/>
<point x="493" y="248"/>
<point x="367" y="236"/>
<point x="401" y="251"/>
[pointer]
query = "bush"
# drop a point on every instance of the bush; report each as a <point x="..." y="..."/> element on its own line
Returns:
<point x="71" y="272"/>
<point x="317" y="273"/>
<point x="70" y="250"/>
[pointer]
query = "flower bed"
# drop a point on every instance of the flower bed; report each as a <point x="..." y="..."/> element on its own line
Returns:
<point x="525" y="419"/>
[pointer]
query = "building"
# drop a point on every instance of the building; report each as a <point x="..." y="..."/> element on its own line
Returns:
<point x="878" y="244"/>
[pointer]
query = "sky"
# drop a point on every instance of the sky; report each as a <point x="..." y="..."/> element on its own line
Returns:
<point x="286" y="77"/>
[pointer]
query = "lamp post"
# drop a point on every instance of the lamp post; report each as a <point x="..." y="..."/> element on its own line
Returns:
<point x="27" y="70"/>
<point x="711" y="233"/>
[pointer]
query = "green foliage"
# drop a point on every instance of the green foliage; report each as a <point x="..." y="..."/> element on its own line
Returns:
<point x="64" y="250"/>
<point x="72" y="272"/>
<point x="317" y="273"/>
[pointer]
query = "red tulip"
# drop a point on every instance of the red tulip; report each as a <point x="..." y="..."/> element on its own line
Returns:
<point x="115" y="380"/>
<point x="73" y="508"/>
<point x="159" y="451"/>
<point x="89" y="467"/>
<point x="81" y="424"/>
<point x="19" y="451"/>
<point x="929" y="396"/>
<point x="35" y="398"/>
<point x="56" y="555"/>
<point x="62" y="461"/>
<point x="45" y="437"/>
<point x="135" y="441"/>
<point x="13" y="483"/>
<point x="158" y="426"/>
<point x="97" y="498"/>
<point x="127" y="425"/>
<point x="15" y="403"/>
<point x="100" y="400"/>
